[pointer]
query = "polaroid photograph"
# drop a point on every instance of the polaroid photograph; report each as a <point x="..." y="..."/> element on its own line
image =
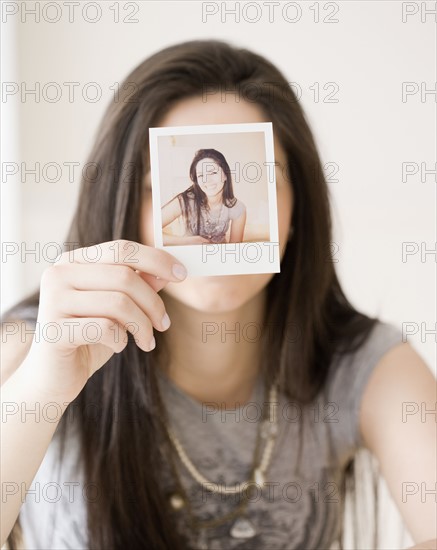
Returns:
<point x="214" y="197"/>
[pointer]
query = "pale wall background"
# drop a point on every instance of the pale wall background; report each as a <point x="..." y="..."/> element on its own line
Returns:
<point x="349" y="75"/>
<point x="361" y="61"/>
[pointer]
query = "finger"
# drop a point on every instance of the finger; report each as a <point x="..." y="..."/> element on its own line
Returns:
<point x="118" y="278"/>
<point x="93" y="330"/>
<point x="155" y="282"/>
<point x="113" y="305"/>
<point x="129" y="253"/>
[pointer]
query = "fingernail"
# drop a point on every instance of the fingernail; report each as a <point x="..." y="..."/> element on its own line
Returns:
<point x="179" y="271"/>
<point x="165" y="322"/>
<point x="152" y="344"/>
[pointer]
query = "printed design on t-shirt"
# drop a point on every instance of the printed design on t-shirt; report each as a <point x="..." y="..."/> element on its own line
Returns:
<point x="291" y="513"/>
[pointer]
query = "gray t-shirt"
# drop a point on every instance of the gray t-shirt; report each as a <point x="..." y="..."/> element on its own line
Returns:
<point x="212" y="225"/>
<point x="295" y="510"/>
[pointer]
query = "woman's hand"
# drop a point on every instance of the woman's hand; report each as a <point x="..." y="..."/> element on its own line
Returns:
<point x="86" y="308"/>
<point x="198" y="239"/>
<point x="175" y="240"/>
<point x="427" y="545"/>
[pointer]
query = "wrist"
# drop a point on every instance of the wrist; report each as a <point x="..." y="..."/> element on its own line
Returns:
<point x="37" y="374"/>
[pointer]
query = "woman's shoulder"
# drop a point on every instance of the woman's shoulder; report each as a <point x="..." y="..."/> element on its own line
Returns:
<point x="348" y="377"/>
<point x="186" y="197"/>
<point x="237" y="209"/>
<point x="381" y="337"/>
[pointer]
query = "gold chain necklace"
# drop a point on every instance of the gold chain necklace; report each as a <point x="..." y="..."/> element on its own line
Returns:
<point x="242" y="528"/>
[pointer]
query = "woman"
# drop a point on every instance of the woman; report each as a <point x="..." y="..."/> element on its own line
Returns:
<point x="170" y="444"/>
<point x="208" y="206"/>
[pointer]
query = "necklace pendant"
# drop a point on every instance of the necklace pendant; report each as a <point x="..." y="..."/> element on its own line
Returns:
<point x="242" y="529"/>
<point x="176" y="501"/>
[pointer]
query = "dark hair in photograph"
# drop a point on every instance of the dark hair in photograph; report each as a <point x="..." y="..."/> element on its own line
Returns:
<point x="194" y="192"/>
<point x="306" y="292"/>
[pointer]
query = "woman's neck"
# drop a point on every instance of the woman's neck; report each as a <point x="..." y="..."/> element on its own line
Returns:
<point x="215" y="200"/>
<point x="210" y="358"/>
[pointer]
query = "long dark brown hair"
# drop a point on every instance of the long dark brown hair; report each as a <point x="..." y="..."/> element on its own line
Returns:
<point x="306" y="292"/>
<point x="195" y="192"/>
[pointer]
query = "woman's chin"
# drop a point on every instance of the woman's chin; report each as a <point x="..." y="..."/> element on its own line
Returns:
<point x="217" y="294"/>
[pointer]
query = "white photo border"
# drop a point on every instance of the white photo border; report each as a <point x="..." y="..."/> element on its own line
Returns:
<point x="225" y="258"/>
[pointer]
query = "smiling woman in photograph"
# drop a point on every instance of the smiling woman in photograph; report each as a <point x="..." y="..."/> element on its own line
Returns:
<point x="208" y="206"/>
<point x="161" y="433"/>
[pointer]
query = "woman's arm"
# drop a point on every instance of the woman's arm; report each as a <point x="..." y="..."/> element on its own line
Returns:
<point x="17" y="336"/>
<point x="170" y="211"/>
<point x="175" y="240"/>
<point x="109" y="293"/>
<point x="26" y="431"/>
<point x="237" y="229"/>
<point x="398" y="425"/>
